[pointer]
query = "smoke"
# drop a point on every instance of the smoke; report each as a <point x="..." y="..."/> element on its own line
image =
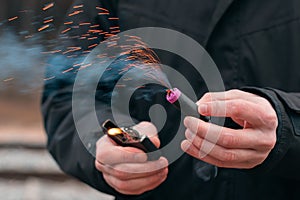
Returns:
<point x="21" y="63"/>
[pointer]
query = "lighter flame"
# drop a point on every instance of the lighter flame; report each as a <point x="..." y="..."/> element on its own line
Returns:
<point x="115" y="131"/>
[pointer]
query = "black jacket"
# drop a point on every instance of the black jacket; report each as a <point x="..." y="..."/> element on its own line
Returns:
<point x="255" y="45"/>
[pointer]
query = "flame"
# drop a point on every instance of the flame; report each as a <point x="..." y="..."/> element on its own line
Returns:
<point x="169" y="91"/>
<point x="114" y="131"/>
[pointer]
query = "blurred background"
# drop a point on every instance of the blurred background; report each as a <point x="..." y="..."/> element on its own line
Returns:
<point x="27" y="171"/>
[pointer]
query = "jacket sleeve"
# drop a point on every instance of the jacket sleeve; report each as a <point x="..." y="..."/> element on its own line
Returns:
<point x="284" y="159"/>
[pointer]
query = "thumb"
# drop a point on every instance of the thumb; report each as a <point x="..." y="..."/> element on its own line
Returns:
<point x="148" y="129"/>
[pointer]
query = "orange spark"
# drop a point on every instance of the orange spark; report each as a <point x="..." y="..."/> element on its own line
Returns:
<point x="95" y="26"/>
<point x="78" y="6"/>
<point x="113" y="18"/>
<point x="48" y="21"/>
<point x="68" y="23"/>
<point x="114" y="27"/>
<point x="103" y="13"/>
<point x="99" y="8"/>
<point x="75" y="13"/>
<point x="49" y="78"/>
<point x="13" y="18"/>
<point x="70" y="69"/>
<point x="47" y="6"/>
<point x="93" y="45"/>
<point x="93" y="38"/>
<point x="44" y="27"/>
<point x="84" y="23"/>
<point x="84" y="66"/>
<point x="116" y="31"/>
<point x="8" y="79"/>
<point x="66" y="30"/>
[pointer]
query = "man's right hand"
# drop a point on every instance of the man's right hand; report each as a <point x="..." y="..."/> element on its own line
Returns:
<point x="126" y="169"/>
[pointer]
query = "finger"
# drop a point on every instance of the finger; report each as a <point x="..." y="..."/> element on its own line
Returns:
<point x="147" y="128"/>
<point x="225" y="137"/>
<point x="110" y="154"/>
<point x="136" y="186"/>
<point x="189" y="148"/>
<point x="134" y="170"/>
<point x="238" y="108"/>
<point x="219" y="96"/>
<point x="224" y="154"/>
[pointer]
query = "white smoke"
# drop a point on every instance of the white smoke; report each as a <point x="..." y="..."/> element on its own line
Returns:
<point x="21" y="63"/>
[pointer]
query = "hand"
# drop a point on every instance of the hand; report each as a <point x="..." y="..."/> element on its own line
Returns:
<point x="126" y="169"/>
<point x="230" y="148"/>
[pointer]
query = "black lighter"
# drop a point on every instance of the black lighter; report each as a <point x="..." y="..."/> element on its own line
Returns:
<point x="128" y="137"/>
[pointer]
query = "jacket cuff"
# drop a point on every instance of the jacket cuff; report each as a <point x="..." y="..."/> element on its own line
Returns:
<point x="284" y="131"/>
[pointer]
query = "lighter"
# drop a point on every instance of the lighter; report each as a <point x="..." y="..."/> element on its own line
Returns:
<point x="129" y="137"/>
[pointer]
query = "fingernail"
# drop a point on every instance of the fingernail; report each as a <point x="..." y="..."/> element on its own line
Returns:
<point x="187" y="121"/>
<point x="203" y="108"/>
<point x="189" y="134"/>
<point x="162" y="162"/>
<point x="184" y="145"/>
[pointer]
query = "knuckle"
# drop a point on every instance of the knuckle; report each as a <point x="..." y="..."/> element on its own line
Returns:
<point x="207" y="96"/>
<point x="234" y="91"/>
<point x="228" y="156"/>
<point x="268" y="143"/>
<point x="121" y="185"/>
<point x="229" y="140"/>
<point x="271" y="120"/>
<point x="236" y="107"/>
<point x="122" y="175"/>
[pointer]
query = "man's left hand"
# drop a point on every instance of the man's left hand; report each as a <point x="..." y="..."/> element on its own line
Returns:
<point x="232" y="148"/>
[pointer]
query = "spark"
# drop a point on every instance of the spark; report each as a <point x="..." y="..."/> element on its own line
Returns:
<point x="48" y="21"/>
<point x="13" y="18"/>
<point x="8" y="79"/>
<point x="93" y="45"/>
<point x="68" y="23"/>
<point x="114" y="27"/>
<point x="48" y="6"/>
<point x="49" y="78"/>
<point x="84" y="23"/>
<point x="72" y="49"/>
<point x="113" y="18"/>
<point x="103" y="9"/>
<point x="68" y="70"/>
<point x="66" y="30"/>
<point x="95" y="26"/>
<point x="51" y="52"/>
<point x="103" y="13"/>
<point x="75" y="13"/>
<point x="93" y="38"/>
<point x="44" y="27"/>
<point x="78" y="6"/>
<point x="115" y="31"/>
<point x="95" y="31"/>
<point x="84" y="66"/>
